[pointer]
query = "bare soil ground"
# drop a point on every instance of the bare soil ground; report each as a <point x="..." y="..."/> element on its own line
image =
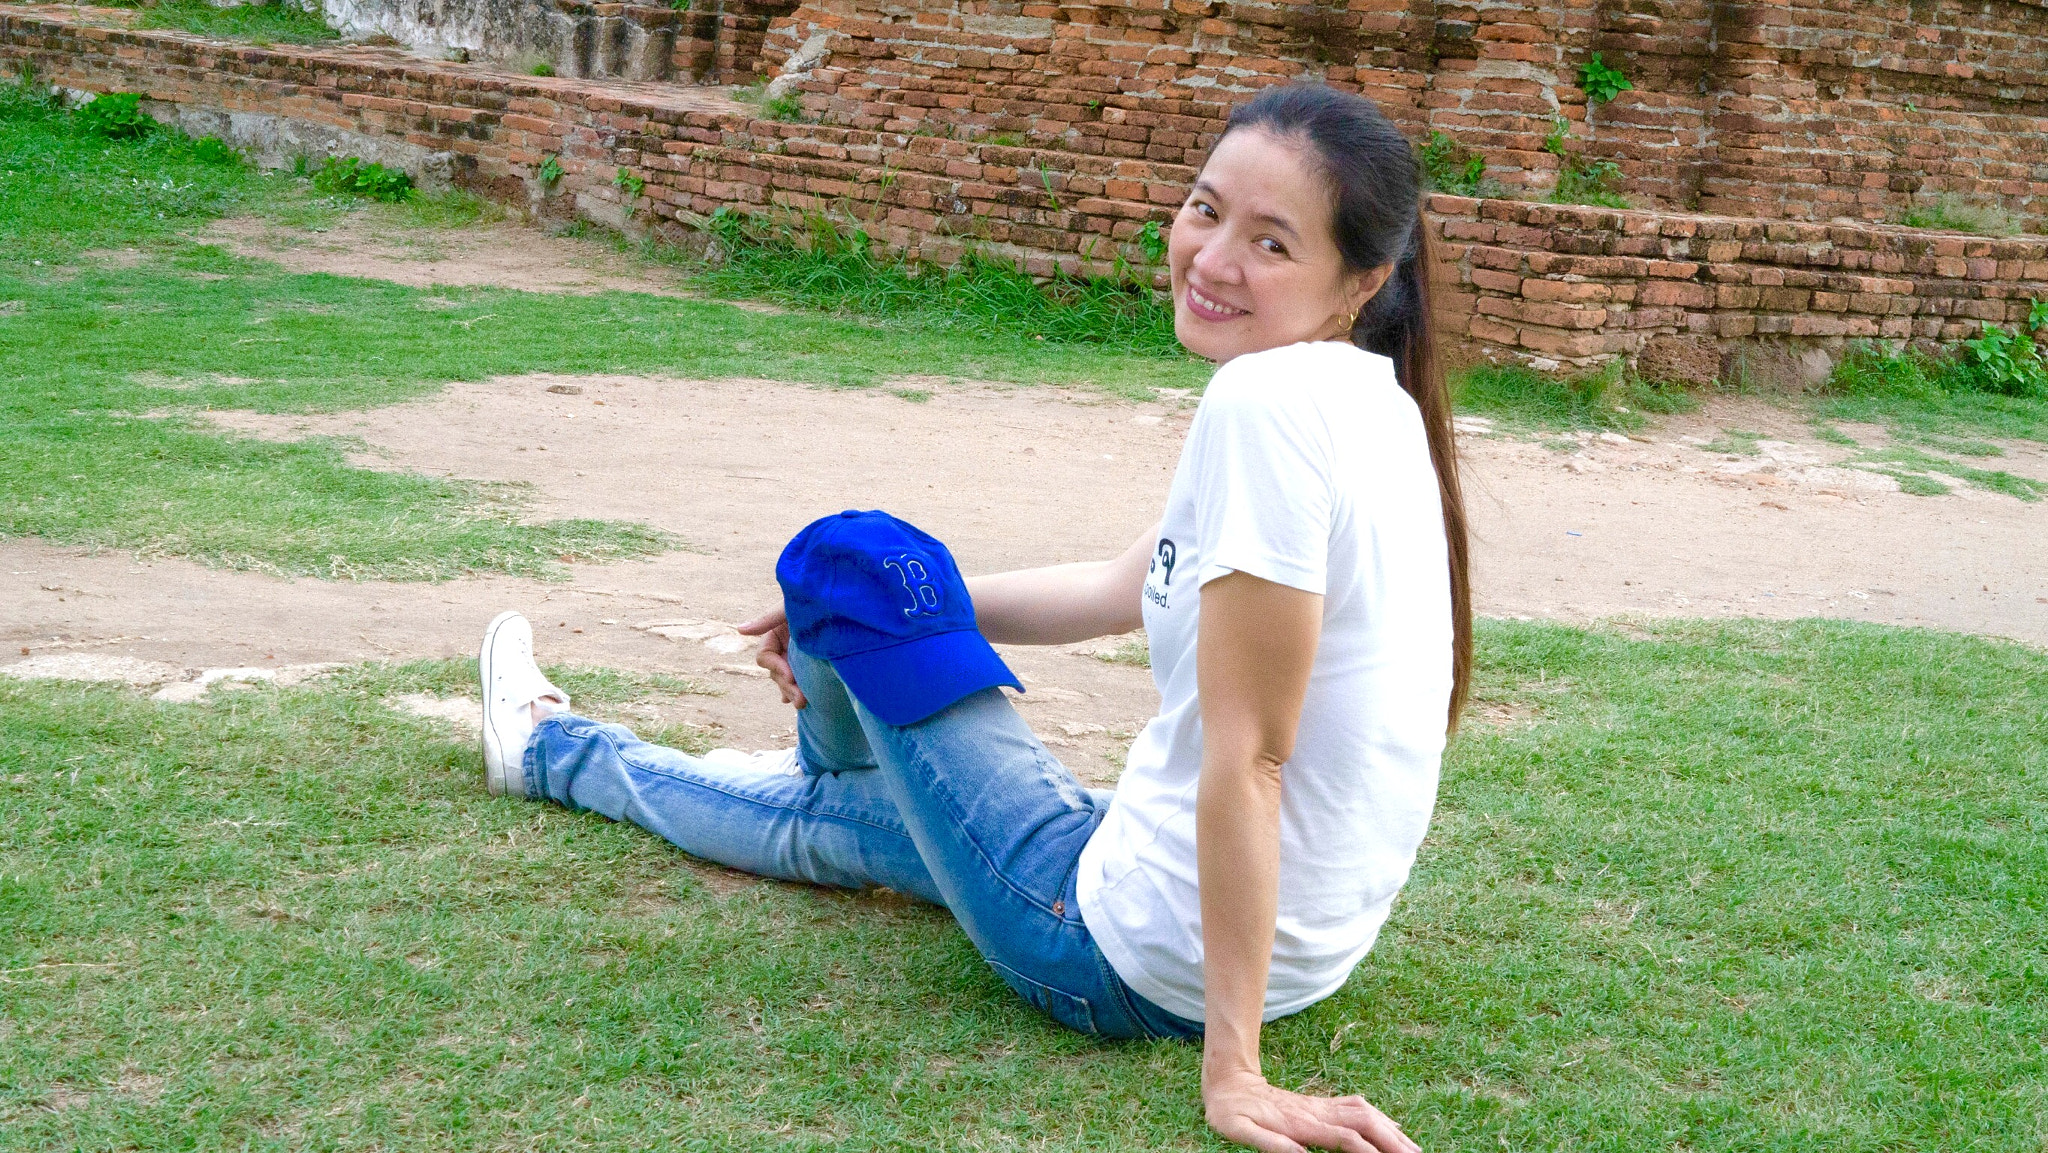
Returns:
<point x="505" y="254"/>
<point x="1571" y="528"/>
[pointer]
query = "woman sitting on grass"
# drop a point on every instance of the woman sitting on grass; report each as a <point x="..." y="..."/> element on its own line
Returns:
<point x="1306" y="603"/>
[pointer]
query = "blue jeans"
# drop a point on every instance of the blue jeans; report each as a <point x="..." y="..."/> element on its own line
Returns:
<point x="965" y="809"/>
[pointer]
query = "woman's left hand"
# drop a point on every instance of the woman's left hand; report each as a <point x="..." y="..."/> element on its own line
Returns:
<point x="773" y="629"/>
<point x="1249" y="1110"/>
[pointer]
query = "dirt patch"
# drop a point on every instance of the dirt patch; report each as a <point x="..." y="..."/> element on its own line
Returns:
<point x="1575" y="528"/>
<point x="94" y="668"/>
<point x="1580" y="528"/>
<point x="366" y="243"/>
<point x="736" y="467"/>
<point x="465" y="714"/>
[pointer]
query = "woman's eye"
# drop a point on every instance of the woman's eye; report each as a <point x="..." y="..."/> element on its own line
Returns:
<point x="1273" y="246"/>
<point x="1205" y="210"/>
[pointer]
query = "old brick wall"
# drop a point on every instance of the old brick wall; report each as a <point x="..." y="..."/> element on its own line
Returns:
<point x="1580" y="284"/>
<point x="1801" y="109"/>
<point x="1831" y="109"/>
<point x="1515" y="277"/>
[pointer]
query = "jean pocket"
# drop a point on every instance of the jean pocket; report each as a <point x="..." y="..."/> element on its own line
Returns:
<point x="1073" y="1012"/>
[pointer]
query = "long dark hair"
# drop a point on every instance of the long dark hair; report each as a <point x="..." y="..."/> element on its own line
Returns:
<point x="1376" y="185"/>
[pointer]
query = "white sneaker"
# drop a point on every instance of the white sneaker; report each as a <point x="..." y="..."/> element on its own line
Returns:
<point x="511" y="685"/>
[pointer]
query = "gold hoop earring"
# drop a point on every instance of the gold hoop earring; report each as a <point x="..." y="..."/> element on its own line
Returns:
<point x="1351" y="322"/>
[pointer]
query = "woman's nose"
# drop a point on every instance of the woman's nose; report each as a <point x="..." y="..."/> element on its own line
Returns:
<point x="1213" y="261"/>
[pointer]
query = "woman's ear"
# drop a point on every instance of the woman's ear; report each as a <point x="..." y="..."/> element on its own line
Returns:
<point x="1361" y="287"/>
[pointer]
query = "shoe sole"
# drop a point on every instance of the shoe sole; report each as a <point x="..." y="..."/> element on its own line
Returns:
<point x="493" y="751"/>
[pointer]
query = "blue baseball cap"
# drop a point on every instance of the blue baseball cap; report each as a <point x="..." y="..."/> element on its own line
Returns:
<point x="884" y="602"/>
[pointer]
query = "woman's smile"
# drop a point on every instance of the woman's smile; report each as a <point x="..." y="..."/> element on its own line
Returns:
<point x="1209" y="308"/>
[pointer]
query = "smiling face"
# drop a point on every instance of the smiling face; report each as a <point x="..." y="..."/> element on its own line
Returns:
<point x="1254" y="253"/>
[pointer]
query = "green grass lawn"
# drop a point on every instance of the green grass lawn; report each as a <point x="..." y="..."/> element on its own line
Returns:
<point x="275" y="22"/>
<point x="1524" y="400"/>
<point x="1703" y="887"/>
<point x="1928" y="399"/>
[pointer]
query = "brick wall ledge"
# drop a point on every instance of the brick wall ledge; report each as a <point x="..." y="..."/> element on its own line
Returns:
<point x="1683" y="294"/>
<point x="1679" y="294"/>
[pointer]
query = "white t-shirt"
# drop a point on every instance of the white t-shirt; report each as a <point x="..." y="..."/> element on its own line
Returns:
<point x="1306" y="466"/>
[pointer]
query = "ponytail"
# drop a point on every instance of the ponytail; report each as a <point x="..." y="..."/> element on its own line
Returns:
<point x="1375" y="180"/>
<point x="1396" y="323"/>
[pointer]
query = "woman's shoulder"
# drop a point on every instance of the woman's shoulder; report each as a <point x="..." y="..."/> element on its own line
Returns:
<point x="1322" y="375"/>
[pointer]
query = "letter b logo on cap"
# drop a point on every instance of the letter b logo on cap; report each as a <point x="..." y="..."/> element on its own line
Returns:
<point x="883" y="601"/>
<point x="920" y="594"/>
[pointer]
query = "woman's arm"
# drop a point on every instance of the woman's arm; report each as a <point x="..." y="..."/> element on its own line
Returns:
<point x="1062" y="604"/>
<point x="1255" y="644"/>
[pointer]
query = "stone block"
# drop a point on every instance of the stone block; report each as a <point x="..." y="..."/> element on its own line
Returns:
<point x="1504" y="259"/>
<point x="1549" y="315"/>
<point x="1557" y="342"/>
<point x="1672" y="269"/>
<point x="1675" y="293"/>
<point x="1785" y="299"/>
<point x="1567" y="291"/>
<point x="1741" y="296"/>
<point x="1692" y="360"/>
<point x="1496" y="281"/>
<point x="1489" y="329"/>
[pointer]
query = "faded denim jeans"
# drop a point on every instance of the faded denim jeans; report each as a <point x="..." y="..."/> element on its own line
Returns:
<point x="965" y="809"/>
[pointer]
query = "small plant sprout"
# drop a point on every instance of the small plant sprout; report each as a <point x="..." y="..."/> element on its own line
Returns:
<point x="1595" y="182"/>
<point x="351" y="176"/>
<point x="2007" y="363"/>
<point x="550" y="170"/>
<point x="1045" y="178"/>
<point x="214" y="150"/>
<point x="1601" y="82"/>
<point x="630" y="184"/>
<point x="1560" y="138"/>
<point x="1152" y="242"/>
<point x="116" y="116"/>
<point x="1450" y="168"/>
<point x="1580" y="181"/>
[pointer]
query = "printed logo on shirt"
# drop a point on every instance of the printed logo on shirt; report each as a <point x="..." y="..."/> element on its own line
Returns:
<point x="920" y="594"/>
<point x="1160" y="575"/>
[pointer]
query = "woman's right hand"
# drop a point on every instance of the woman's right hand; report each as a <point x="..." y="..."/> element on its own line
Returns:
<point x="1248" y="1110"/>
<point x="773" y="629"/>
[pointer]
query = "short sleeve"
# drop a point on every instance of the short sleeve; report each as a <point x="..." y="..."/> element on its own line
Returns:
<point x="1264" y="490"/>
